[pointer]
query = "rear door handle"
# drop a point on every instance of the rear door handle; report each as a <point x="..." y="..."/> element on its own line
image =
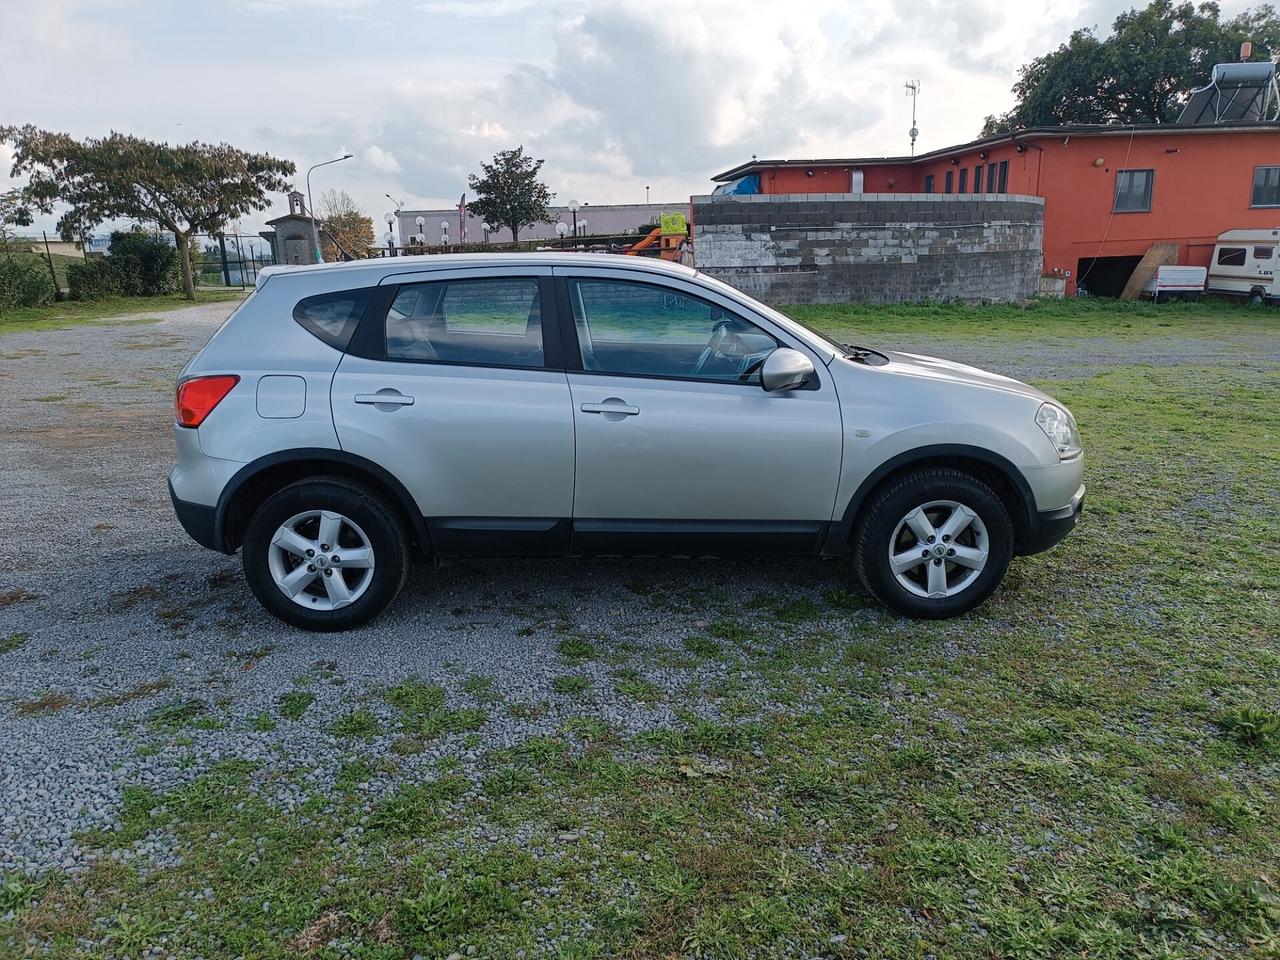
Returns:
<point x="611" y="406"/>
<point x="388" y="397"/>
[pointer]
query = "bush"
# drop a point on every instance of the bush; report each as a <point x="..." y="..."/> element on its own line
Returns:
<point x="144" y="264"/>
<point x="91" y="280"/>
<point x="24" y="282"/>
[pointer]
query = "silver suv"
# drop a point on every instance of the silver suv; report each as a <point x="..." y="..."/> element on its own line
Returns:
<point x="347" y="416"/>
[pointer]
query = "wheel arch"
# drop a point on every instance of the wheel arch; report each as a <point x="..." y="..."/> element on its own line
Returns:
<point x="996" y="471"/>
<point x="256" y="481"/>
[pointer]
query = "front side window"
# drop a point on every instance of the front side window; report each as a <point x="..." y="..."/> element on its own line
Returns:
<point x="1266" y="186"/>
<point x="1133" y="191"/>
<point x="494" y="322"/>
<point x="333" y="316"/>
<point x="1231" y="256"/>
<point x="645" y="330"/>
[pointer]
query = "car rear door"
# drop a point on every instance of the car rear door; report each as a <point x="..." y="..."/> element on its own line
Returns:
<point x="454" y="383"/>
<point x="680" y="450"/>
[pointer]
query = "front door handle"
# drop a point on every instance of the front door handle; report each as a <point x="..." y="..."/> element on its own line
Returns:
<point x="611" y="407"/>
<point x="386" y="399"/>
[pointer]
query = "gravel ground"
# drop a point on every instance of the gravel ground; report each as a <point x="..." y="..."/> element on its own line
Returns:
<point x="112" y="615"/>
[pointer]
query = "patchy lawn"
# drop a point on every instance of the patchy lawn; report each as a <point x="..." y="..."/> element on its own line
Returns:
<point x="1088" y="766"/>
<point x="69" y="313"/>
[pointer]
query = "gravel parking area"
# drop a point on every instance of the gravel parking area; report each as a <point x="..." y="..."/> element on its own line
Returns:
<point x="131" y="658"/>
<point x="126" y="616"/>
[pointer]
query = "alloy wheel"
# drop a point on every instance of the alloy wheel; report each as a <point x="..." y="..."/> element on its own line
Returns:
<point x="321" y="560"/>
<point x="938" y="549"/>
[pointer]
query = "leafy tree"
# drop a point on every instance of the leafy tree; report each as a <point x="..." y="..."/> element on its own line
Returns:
<point x="344" y="221"/>
<point x="1141" y="73"/>
<point x="185" y="189"/>
<point x="509" y="192"/>
<point x="13" y="213"/>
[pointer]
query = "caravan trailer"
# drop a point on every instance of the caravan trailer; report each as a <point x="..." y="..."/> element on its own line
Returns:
<point x="1244" y="265"/>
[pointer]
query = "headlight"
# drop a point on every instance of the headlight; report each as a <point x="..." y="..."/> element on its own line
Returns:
<point x="1060" y="427"/>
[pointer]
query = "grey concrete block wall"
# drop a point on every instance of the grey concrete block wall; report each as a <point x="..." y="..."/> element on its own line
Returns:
<point x="874" y="247"/>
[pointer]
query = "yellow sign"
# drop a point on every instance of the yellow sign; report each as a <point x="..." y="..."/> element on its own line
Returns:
<point x="673" y="223"/>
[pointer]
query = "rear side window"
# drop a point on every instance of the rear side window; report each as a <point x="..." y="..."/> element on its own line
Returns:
<point x="493" y="322"/>
<point x="1231" y="257"/>
<point x="1263" y="253"/>
<point x="333" y="316"/>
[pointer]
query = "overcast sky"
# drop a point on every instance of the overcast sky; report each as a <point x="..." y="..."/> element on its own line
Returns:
<point x="614" y="94"/>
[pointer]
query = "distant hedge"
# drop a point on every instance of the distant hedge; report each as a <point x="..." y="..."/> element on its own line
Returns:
<point x="136" y="265"/>
<point x="24" y="282"/>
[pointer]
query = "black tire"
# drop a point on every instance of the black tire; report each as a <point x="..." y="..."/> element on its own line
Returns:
<point x="890" y="505"/>
<point x="378" y="523"/>
<point x="1257" y="299"/>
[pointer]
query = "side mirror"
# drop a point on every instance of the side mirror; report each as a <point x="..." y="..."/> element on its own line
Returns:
<point x="785" y="369"/>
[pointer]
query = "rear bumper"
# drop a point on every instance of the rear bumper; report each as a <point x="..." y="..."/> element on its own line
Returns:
<point x="197" y="519"/>
<point x="1052" y="525"/>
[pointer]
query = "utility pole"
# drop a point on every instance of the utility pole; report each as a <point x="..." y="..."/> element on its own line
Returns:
<point x="913" y="91"/>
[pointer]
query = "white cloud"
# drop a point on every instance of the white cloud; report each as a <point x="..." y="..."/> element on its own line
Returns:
<point x="382" y="161"/>
<point x="615" y="96"/>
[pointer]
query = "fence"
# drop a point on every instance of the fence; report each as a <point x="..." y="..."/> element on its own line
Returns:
<point x="232" y="260"/>
<point x="617" y="244"/>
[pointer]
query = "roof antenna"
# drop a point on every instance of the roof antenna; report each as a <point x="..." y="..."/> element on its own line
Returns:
<point x="913" y="91"/>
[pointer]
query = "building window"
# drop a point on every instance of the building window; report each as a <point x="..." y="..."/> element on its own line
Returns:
<point x="991" y="177"/>
<point x="928" y="183"/>
<point x="1263" y="253"/>
<point x="1004" y="177"/>
<point x="950" y="182"/>
<point x="1231" y="257"/>
<point x="977" y="179"/>
<point x="1133" y="191"/>
<point x="1266" y="186"/>
<point x="964" y="180"/>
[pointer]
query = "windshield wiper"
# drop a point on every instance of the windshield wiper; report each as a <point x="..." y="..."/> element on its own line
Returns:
<point x="864" y="355"/>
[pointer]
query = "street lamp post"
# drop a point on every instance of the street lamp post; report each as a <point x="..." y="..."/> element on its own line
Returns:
<point x="390" y="218"/>
<point x="562" y="231"/>
<point x="421" y="221"/>
<point x="573" y="208"/>
<point x="444" y="232"/>
<point x="311" y="212"/>
<point x="486" y="227"/>
<point x="389" y="239"/>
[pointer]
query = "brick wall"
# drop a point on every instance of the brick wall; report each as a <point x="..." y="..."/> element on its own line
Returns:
<point x="880" y="248"/>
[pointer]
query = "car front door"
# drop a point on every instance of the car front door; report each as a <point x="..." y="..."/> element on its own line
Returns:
<point x="679" y="449"/>
<point x="454" y="384"/>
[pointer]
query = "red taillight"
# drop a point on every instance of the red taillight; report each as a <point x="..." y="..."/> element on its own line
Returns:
<point x="197" y="398"/>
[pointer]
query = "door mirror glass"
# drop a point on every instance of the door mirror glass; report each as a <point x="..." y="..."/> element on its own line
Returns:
<point x="786" y="369"/>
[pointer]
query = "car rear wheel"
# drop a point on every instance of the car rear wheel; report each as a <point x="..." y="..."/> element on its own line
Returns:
<point x="325" y="554"/>
<point x="934" y="544"/>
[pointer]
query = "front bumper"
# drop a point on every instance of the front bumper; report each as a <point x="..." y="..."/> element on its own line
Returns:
<point x="1052" y="525"/>
<point x="197" y="519"/>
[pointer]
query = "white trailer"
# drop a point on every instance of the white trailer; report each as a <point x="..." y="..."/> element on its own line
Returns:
<point x="1172" y="281"/>
<point x="1244" y="265"/>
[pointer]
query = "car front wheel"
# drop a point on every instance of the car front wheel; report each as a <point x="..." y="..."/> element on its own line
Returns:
<point x="934" y="544"/>
<point x="324" y="555"/>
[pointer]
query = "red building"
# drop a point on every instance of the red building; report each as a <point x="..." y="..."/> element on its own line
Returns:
<point x="1109" y="191"/>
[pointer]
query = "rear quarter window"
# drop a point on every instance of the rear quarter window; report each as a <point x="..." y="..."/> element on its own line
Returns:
<point x="332" y="317"/>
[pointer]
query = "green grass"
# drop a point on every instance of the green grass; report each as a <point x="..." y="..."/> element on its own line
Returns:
<point x="69" y="313"/>
<point x="1085" y="767"/>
